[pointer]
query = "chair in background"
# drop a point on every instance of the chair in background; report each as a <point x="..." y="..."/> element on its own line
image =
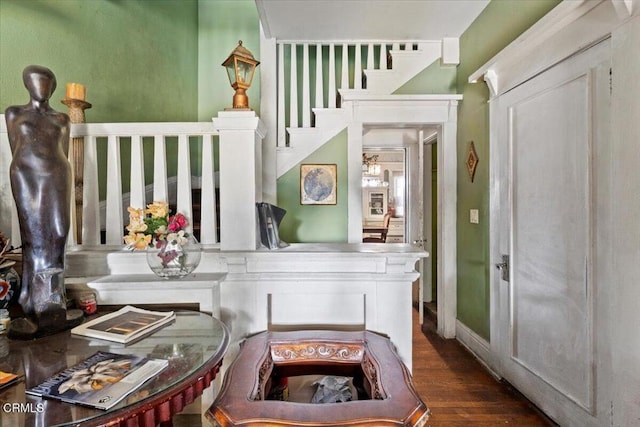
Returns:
<point x="381" y="231"/>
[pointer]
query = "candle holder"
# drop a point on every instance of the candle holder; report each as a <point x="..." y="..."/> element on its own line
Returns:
<point x="76" y="155"/>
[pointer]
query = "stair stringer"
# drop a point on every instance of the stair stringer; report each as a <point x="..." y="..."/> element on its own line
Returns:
<point x="304" y="141"/>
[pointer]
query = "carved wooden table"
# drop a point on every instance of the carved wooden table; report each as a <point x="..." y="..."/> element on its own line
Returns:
<point x="385" y="392"/>
<point x="194" y="345"/>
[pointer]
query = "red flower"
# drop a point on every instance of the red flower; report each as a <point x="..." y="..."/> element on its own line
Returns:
<point x="176" y="223"/>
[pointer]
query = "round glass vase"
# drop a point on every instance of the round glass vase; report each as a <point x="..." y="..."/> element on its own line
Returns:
<point x="174" y="259"/>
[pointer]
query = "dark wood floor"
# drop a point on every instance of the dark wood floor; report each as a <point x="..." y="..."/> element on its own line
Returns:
<point x="458" y="390"/>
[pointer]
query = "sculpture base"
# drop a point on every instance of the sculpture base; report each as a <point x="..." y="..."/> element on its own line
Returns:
<point x="26" y="329"/>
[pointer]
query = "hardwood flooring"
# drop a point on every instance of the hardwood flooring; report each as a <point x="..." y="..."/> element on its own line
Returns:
<point x="459" y="391"/>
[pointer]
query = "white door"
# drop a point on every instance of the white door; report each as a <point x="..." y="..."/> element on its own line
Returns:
<point x="427" y="238"/>
<point x="544" y="218"/>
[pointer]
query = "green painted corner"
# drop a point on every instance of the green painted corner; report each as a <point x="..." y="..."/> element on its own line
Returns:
<point x="479" y="43"/>
<point x="435" y="79"/>
<point x="316" y="223"/>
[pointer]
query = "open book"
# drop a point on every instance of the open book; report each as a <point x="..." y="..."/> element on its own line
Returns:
<point x="125" y="325"/>
<point x="100" y="381"/>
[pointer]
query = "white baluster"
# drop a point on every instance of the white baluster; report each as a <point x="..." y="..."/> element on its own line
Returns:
<point x="293" y="93"/>
<point x="90" y="195"/>
<point x="282" y="141"/>
<point x="208" y="202"/>
<point x="384" y="64"/>
<point x="357" y="74"/>
<point x="137" y="199"/>
<point x="306" y="88"/>
<point x="114" y="221"/>
<point x="331" y="103"/>
<point x="319" y="82"/>
<point x="160" y="192"/>
<point x="396" y="46"/>
<point x="344" y="83"/>
<point x="370" y="57"/>
<point x="183" y="199"/>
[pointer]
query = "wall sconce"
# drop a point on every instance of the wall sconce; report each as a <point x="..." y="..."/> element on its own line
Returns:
<point x="240" y="67"/>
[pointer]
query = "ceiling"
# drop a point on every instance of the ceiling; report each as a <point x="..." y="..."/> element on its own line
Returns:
<point x="367" y="19"/>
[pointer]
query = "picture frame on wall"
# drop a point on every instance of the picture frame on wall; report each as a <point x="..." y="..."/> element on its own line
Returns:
<point x="318" y="184"/>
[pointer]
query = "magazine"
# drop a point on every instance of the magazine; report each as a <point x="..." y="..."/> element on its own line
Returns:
<point x="100" y="381"/>
<point x="125" y="325"/>
<point x="8" y="379"/>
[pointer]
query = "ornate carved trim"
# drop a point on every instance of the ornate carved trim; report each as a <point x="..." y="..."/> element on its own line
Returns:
<point x="370" y="369"/>
<point x="258" y="392"/>
<point x="324" y="351"/>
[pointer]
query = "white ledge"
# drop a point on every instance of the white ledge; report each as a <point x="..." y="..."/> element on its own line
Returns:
<point x="350" y="95"/>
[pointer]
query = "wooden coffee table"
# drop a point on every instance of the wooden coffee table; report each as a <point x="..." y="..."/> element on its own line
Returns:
<point x="194" y="345"/>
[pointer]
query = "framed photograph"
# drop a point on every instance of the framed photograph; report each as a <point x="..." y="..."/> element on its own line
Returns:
<point x="318" y="184"/>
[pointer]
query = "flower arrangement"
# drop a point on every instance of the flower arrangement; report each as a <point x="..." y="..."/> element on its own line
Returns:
<point x="155" y="230"/>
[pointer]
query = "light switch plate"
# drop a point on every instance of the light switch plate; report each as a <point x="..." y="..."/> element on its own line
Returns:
<point x="473" y="216"/>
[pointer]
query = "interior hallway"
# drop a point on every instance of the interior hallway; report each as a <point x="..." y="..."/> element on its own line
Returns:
<point x="458" y="390"/>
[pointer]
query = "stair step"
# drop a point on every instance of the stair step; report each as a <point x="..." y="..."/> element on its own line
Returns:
<point x="328" y="122"/>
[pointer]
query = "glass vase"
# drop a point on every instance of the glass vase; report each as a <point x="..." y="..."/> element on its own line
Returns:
<point x="9" y="284"/>
<point x="174" y="259"/>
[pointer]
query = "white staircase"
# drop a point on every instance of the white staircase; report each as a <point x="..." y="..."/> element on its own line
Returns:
<point x="329" y="120"/>
<point x="305" y="140"/>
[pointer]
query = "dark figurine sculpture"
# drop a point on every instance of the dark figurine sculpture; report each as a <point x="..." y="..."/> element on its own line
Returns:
<point x="41" y="184"/>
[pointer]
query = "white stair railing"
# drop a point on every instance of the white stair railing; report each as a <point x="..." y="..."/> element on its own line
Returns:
<point x="346" y="59"/>
<point x="110" y="215"/>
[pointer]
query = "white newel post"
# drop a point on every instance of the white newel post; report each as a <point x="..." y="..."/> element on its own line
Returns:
<point x="241" y="134"/>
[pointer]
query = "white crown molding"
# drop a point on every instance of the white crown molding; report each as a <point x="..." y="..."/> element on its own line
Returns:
<point x="563" y="28"/>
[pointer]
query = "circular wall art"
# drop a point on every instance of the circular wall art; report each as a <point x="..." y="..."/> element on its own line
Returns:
<point x="318" y="184"/>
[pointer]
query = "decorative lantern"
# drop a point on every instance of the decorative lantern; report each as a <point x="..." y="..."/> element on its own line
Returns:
<point x="240" y="67"/>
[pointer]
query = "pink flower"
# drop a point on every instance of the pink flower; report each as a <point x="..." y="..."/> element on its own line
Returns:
<point x="177" y="223"/>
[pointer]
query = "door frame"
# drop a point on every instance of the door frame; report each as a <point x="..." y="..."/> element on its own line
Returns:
<point x="414" y="111"/>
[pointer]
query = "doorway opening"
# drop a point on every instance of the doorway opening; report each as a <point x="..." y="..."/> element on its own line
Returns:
<point x="430" y="226"/>
<point x="384" y="195"/>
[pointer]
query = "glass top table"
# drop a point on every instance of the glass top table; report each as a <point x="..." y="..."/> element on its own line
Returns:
<point x="194" y="345"/>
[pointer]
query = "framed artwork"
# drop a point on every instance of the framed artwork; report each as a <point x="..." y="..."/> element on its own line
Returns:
<point x="318" y="184"/>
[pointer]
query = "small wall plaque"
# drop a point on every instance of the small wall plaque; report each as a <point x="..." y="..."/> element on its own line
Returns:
<point x="471" y="161"/>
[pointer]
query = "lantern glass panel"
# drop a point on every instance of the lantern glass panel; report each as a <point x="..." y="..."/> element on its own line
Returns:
<point x="231" y="71"/>
<point x="245" y="72"/>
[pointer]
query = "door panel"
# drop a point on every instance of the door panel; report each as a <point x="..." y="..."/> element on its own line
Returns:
<point x="550" y="287"/>
<point x="545" y="216"/>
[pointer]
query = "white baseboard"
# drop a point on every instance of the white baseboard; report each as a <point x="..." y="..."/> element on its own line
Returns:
<point x="477" y="345"/>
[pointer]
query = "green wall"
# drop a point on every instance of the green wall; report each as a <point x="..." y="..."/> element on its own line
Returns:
<point x="500" y="23"/>
<point x="435" y="79"/>
<point x="316" y="223"/>
<point x="141" y="60"/>
<point x="137" y="58"/>
<point x="221" y="23"/>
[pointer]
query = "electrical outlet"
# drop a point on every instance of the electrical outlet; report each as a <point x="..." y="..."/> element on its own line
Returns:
<point x="473" y="216"/>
